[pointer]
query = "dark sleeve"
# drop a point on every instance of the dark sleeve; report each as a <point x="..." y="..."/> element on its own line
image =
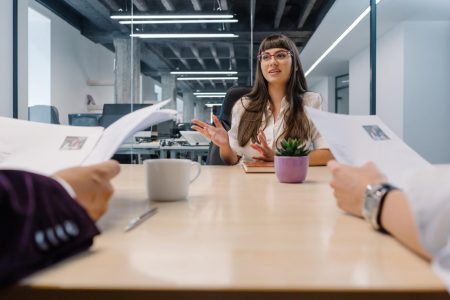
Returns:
<point x="40" y="224"/>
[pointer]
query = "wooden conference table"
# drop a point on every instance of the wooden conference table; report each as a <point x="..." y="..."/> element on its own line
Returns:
<point x="239" y="236"/>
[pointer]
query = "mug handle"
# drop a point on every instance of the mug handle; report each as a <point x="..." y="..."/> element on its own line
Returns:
<point x="199" y="169"/>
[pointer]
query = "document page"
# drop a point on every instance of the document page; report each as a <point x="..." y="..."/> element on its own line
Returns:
<point x="355" y="140"/>
<point x="47" y="148"/>
<point x="44" y="148"/>
<point x="119" y="131"/>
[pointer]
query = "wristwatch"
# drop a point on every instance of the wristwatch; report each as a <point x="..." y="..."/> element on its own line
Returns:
<point x="373" y="203"/>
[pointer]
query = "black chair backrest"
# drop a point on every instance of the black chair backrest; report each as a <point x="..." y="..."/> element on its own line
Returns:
<point x="44" y="114"/>
<point x="233" y="95"/>
<point x="113" y="112"/>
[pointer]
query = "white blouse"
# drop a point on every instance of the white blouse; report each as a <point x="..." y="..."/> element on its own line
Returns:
<point x="428" y="193"/>
<point x="272" y="129"/>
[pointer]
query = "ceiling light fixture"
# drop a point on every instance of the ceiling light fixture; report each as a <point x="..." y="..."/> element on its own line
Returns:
<point x="182" y="35"/>
<point x="210" y="96"/>
<point x="339" y="39"/>
<point x="203" y="72"/>
<point x="207" y="78"/>
<point x="213" y="104"/>
<point x="198" y="16"/>
<point x="210" y="93"/>
<point x="178" y="21"/>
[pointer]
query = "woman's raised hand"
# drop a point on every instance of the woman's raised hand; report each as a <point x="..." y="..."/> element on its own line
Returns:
<point x="267" y="154"/>
<point x="217" y="134"/>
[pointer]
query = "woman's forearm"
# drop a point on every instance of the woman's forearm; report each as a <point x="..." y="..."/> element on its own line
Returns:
<point x="320" y="157"/>
<point x="397" y="218"/>
<point x="228" y="155"/>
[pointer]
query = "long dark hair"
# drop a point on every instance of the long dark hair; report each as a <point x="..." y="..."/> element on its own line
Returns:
<point x="296" y="123"/>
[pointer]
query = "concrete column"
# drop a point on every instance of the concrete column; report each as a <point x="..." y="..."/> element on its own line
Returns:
<point x="148" y="89"/>
<point x="202" y="112"/>
<point x="188" y="106"/>
<point x="169" y="89"/>
<point x="127" y="70"/>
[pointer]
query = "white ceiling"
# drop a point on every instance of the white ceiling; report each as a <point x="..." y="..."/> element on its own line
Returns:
<point x="344" y="12"/>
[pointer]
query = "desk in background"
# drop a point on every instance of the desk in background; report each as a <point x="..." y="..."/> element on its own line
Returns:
<point x="239" y="236"/>
<point x="154" y="148"/>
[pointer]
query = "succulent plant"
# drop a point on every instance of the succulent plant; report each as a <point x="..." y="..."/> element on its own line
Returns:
<point x="292" y="147"/>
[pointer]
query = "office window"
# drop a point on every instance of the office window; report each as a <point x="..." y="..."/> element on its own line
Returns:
<point x="39" y="58"/>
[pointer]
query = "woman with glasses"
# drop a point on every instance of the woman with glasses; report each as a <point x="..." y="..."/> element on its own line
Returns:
<point x="273" y="110"/>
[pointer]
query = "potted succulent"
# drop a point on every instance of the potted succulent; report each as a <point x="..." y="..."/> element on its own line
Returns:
<point x="291" y="161"/>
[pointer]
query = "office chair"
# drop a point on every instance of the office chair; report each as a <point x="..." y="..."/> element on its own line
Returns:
<point x="43" y="114"/>
<point x="233" y="94"/>
<point x="84" y="119"/>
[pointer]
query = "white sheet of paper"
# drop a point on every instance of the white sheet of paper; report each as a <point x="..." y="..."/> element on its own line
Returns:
<point x="355" y="140"/>
<point x="47" y="148"/>
<point x="44" y="148"/>
<point x="125" y="127"/>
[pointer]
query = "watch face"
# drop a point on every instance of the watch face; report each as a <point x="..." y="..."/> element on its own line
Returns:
<point x="372" y="199"/>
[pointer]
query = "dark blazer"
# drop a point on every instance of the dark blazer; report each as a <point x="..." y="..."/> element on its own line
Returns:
<point x="40" y="224"/>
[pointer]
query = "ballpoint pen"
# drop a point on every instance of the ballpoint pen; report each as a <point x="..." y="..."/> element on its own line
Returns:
<point x="139" y="219"/>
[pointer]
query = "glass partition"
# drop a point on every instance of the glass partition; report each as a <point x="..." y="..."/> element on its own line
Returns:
<point x="339" y="49"/>
<point x="413" y="71"/>
<point x="87" y="63"/>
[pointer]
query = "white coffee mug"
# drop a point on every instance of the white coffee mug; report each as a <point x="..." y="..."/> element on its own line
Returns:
<point x="169" y="179"/>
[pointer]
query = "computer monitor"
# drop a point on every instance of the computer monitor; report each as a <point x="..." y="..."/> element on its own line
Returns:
<point x="166" y="129"/>
<point x="113" y="112"/>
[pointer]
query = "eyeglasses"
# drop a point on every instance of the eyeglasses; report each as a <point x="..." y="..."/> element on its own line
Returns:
<point x="279" y="56"/>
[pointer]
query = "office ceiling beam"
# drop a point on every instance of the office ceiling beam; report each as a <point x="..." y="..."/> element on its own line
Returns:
<point x="196" y="5"/>
<point x="224" y="4"/>
<point x="279" y="14"/>
<point x="178" y="55"/>
<point x="197" y="56"/>
<point x="213" y="50"/>
<point x="232" y="56"/>
<point x="141" y="5"/>
<point x="97" y="13"/>
<point x="305" y="14"/>
<point x="168" y="5"/>
<point x="112" y="4"/>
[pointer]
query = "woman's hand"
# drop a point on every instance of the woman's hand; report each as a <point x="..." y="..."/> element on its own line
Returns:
<point x="349" y="184"/>
<point x="263" y="148"/>
<point x="217" y="134"/>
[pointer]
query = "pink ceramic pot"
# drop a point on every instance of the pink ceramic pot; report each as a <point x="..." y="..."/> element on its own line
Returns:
<point x="291" y="169"/>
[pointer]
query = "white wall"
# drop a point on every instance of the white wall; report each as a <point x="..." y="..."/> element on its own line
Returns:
<point x="6" y="58"/>
<point x="75" y="61"/>
<point x="325" y="86"/>
<point x="390" y="79"/>
<point x="359" y="84"/>
<point x="413" y="90"/>
<point x="427" y="89"/>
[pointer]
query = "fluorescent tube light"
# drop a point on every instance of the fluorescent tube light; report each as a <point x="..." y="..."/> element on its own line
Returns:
<point x="340" y="38"/>
<point x="198" y="16"/>
<point x="207" y="78"/>
<point x="210" y="96"/>
<point x="203" y="72"/>
<point x="212" y="93"/>
<point x="213" y="104"/>
<point x="182" y="35"/>
<point x="178" y="21"/>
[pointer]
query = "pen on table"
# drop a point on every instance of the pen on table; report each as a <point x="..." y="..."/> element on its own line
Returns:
<point x="138" y="220"/>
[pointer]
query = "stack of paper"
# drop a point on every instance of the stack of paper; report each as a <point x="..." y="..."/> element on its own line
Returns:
<point x="355" y="140"/>
<point x="47" y="148"/>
